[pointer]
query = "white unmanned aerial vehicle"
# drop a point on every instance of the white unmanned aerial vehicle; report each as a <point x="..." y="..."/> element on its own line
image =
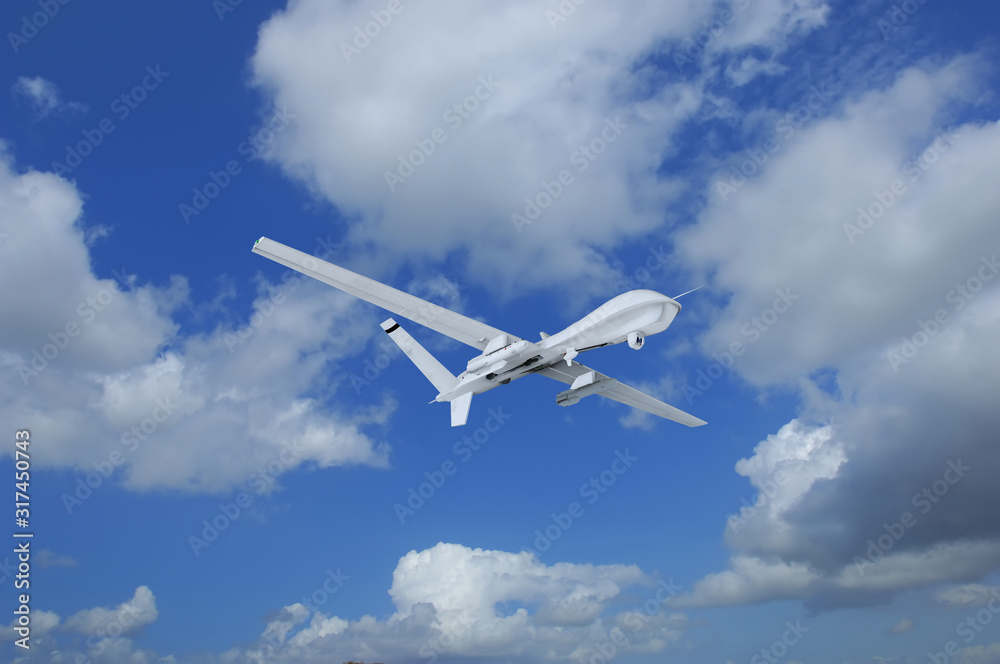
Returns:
<point x="629" y="317"/>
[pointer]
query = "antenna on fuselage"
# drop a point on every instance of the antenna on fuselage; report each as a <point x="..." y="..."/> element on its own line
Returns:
<point x="683" y="294"/>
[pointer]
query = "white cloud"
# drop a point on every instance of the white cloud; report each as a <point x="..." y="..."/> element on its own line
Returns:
<point x="49" y="558"/>
<point x="102" y="631"/>
<point x="42" y="624"/>
<point x="750" y="580"/>
<point x="43" y="97"/>
<point x="45" y="249"/>
<point x="464" y="602"/>
<point x="557" y="90"/>
<point x="123" y="619"/>
<point x="750" y="67"/>
<point x="783" y="469"/>
<point x="785" y="227"/>
<point x="969" y="594"/>
<point x="947" y="561"/>
<point x="100" y="366"/>
<point x="979" y="654"/>
<point x="902" y="627"/>
<point x="770" y="24"/>
<point x="904" y="423"/>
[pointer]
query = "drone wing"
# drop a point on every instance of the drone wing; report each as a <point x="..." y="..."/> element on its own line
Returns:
<point x="461" y="328"/>
<point x="610" y="388"/>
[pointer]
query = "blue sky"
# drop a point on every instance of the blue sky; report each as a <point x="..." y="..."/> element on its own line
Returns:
<point x="826" y="170"/>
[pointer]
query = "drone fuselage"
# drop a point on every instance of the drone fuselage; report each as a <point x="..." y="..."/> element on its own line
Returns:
<point x="639" y="313"/>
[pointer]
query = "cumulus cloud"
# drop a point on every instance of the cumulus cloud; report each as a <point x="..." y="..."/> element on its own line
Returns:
<point x="968" y="595"/>
<point x="946" y="561"/>
<point x="750" y="67"/>
<point x="783" y="469"/>
<point x="450" y="601"/>
<point x="879" y="486"/>
<point x="103" y="632"/>
<point x="126" y="617"/>
<point x="750" y="580"/>
<point x="548" y="88"/>
<point x="979" y="654"/>
<point x="454" y="601"/>
<point x="49" y="558"/>
<point x="848" y="299"/>
<point x="902" y="627"/>
<point x="101" y="366"/>
<point x="43" y="97"/>
<point x="42" y="624"/>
